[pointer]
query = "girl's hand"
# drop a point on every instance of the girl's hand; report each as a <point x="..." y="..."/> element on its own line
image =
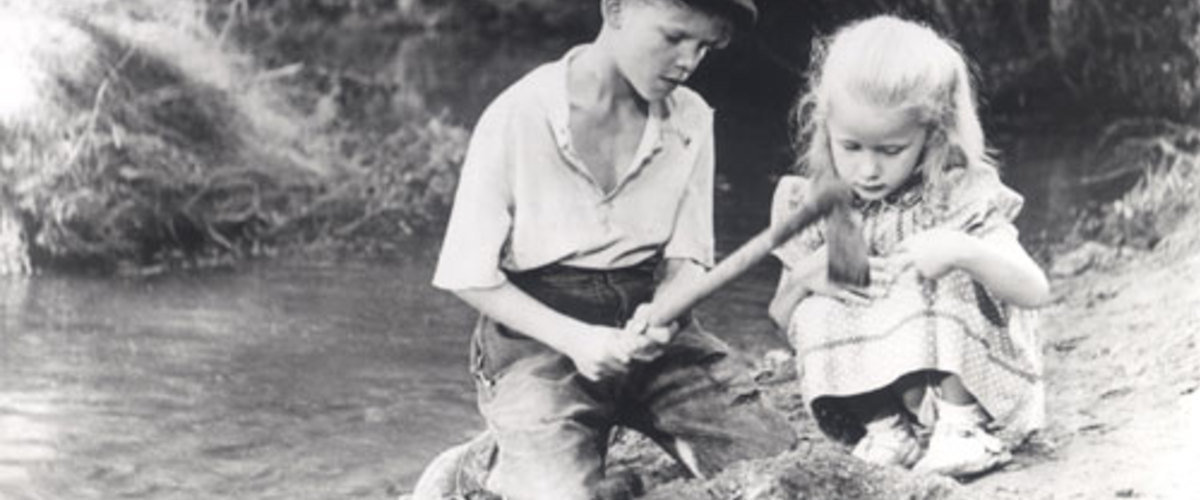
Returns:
<point x="934" y="252"/>
<point x="814" y="276"/>
<point x="599" y="352"/>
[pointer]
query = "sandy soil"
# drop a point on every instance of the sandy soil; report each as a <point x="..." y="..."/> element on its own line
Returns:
<point x="1123" y="373"/>
<point x="1123" y="403"/>
<point x="1123" y="383"/>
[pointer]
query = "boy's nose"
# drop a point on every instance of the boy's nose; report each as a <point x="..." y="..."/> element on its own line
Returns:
<point x="689" y="56"/>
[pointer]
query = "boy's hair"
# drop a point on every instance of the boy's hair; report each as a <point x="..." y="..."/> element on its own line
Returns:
<point x="741" y="13"/>
<point x="893" y="63"/>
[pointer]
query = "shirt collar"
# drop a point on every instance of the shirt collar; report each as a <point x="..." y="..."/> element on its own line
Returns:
<point x="663" y="118"/>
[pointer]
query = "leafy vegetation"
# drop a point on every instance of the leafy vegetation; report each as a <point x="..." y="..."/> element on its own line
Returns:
<point x="140" y="143"/>
<point x="1145" y="185"/>
<point x="146" y="132"/>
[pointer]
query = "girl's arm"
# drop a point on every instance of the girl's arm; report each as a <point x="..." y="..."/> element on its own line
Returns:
<point x="808" y="276"/>
<point x="1001" y="264"/>
<point x="788" y="295"/>
<point x="997" y="261"/>
<point x="596" y="350"/>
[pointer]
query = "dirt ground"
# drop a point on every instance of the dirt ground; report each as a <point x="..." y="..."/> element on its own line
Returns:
<point x="1123" y="400"/>
<point x="1122" y="369"/>
<point x="1123" y="373"/>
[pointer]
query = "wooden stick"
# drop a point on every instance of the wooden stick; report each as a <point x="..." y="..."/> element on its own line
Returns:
<point x="825" y="198"/>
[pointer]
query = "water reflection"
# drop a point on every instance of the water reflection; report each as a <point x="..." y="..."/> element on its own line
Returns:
<point x="274" y="381"/>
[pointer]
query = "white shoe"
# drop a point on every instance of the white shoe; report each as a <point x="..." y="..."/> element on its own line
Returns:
<point x="889" y="441"/>
<point x="959" y="449"/>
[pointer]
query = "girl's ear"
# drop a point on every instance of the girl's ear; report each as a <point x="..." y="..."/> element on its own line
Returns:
<point x="821" y="153"/>
<point x="956" y="157"/>
<point x="933" y="152"/>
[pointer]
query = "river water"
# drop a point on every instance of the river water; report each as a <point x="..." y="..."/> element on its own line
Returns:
<point x="273" y="380"/>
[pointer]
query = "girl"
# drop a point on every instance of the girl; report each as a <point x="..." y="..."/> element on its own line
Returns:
<point x="891" y="112"/>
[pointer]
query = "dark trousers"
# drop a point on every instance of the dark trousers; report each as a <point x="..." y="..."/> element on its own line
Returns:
<point x="552" y="425"/>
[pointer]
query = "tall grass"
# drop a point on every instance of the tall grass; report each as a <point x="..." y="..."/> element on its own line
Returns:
<point x="1151" y="168"/>
<point x="145" y="137"/>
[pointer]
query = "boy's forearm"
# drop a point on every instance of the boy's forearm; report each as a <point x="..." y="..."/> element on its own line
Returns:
<point x="521" y="312"/>
<point x="677" y="274"/>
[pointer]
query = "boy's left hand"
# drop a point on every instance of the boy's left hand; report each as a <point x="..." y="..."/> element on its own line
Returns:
<point x="934" y="252"/>
<point x="644" y="342"/>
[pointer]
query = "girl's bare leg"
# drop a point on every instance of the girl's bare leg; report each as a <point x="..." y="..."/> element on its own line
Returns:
<point x="911" y="390"/>
<point x="953" y="391"/>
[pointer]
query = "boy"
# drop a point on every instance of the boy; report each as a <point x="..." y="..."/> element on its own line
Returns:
<point x="584" y="181"/>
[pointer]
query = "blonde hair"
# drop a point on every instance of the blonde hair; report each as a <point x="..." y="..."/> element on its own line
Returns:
<point x="893" y="63"/>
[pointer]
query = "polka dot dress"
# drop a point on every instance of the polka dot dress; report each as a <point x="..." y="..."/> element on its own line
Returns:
<point x="952" y="324"/>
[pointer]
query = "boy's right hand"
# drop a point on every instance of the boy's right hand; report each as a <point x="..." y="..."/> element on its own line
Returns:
<point x="643" y="342"/>
<point x="599" y="352"/>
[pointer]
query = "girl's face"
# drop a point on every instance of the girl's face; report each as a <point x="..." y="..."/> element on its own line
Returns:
<point x="659" y="43"/>
<point x="875" y="149"/>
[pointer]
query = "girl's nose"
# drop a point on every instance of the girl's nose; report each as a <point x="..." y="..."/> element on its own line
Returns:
<point x="870" y="167"/>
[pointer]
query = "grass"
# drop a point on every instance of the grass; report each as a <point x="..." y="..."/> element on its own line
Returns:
<point x="143" y="140"/>
<point x="1153" y="167"/>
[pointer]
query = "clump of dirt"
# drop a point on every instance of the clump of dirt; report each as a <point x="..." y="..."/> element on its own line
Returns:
<point x="817" y="469"/>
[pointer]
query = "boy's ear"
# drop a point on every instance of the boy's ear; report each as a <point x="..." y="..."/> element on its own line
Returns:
<point x="610" y="12"/>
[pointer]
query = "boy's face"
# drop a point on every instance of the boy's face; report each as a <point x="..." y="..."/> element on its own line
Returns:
<point x="875" y="149"/>
<point x="659" y="43"/>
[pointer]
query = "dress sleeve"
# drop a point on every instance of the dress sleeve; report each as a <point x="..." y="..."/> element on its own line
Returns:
<point x="985" y="207"/>
<point x="481" y="219"/>
<point x="790" y="194"/>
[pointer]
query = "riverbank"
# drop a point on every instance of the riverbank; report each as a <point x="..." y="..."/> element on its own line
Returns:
<point x="1120" y="344"/>
<point x="1122" y="381"/>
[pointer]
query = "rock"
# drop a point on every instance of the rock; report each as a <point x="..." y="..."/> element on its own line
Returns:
<point x="776" y="366"/>
<point x="1087" y="256"/>
<point x="459" y="472"/>
<point x="14" y="247"/>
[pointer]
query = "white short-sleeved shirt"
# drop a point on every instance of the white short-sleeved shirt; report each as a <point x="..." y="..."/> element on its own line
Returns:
<point x="526" y="200"/>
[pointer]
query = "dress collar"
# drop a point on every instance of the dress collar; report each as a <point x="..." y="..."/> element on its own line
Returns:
<point x="907" y="195"/>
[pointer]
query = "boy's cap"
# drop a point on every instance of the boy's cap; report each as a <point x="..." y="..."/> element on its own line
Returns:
<point x="741" y="12"/>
